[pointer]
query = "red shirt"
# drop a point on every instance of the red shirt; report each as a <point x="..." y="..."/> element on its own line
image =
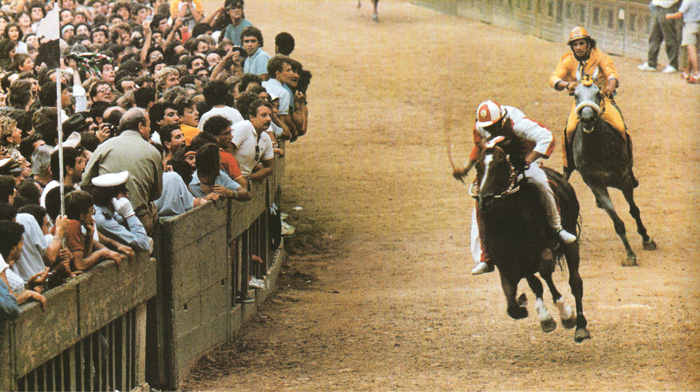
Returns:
<point x="229" y="164"/>
<point x="75" y="239"/>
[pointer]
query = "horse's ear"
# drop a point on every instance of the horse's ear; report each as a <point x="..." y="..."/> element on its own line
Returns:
<point x="493" y="142"/>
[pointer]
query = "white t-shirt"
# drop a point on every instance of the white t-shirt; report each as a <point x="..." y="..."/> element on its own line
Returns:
<point x="245" y="139"/>
<point x="230" y="113"/>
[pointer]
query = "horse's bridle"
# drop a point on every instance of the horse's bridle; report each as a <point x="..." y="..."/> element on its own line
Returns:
<point x="513" y="186"/>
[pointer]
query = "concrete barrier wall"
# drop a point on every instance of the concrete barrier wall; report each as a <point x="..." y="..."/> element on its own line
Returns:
<point x="619" y="27"/>
<point x="32" y="346"/>
<point x="149" y="321"/>
<point x="204" y="264"/>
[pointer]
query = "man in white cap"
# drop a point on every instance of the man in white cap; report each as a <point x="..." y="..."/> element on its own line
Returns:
<point x="494" y="120"/>
<point x="114" y="216"/>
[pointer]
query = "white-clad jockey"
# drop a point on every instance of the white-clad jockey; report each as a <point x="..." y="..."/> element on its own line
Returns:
<point x="493" y="120"/>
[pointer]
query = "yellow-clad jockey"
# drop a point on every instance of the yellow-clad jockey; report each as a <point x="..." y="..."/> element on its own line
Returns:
<point x="586" y="59"/>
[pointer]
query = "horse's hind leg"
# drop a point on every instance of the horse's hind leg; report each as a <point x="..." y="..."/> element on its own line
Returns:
<point x="647" y="242"/>
<point x="546" y="321"/>
<point x="510" y="287"/>
<point x="602" y="197"/>
<point x="576" y="283"/>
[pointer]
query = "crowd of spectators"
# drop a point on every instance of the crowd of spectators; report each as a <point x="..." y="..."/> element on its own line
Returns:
<point x="163" y="107"/>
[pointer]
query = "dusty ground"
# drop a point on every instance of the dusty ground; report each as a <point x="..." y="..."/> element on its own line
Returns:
<point x="376" y="293"/>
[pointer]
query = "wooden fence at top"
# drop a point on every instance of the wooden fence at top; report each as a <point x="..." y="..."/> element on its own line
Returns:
<point x="620" y="27"/>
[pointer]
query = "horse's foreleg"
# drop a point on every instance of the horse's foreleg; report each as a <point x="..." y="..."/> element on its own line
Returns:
<point x="566" y="314"/>
<point x="647" y="241"/>
<point x="510" y="287"/>
<point x="602" y="197"/>
<point x="576" y="284"/>
<point x="546" y="321"/>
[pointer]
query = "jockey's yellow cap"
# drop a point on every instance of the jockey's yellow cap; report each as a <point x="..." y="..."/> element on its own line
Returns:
<point x="489" y="112"/>
<point x="578" y="32"/>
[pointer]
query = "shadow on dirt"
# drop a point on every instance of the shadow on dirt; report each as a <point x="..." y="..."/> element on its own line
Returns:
<point x="307" y="253"/>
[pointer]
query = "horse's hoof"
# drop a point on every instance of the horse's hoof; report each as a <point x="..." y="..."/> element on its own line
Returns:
<point x="581" y="335"/>
<point x="630" y="261"/>
<point x="649" y="245"/>
<point x="522" y="300"/>
<point x="517" y="313"/>
<point x="548" y="325"/>
<point x="569" y="323"/>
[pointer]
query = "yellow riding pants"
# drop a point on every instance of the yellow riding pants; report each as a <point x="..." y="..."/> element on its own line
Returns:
<point x="610" y="114"/>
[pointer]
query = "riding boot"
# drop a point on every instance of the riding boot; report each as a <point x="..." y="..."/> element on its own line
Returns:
<point x="554" y="217"/>
<point x="635" y="183"/>
<point x="569" y="165"/>
<point x="486" y="263"/>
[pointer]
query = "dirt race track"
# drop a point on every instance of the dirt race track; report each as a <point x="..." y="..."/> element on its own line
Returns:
<point x="376" y="292"/>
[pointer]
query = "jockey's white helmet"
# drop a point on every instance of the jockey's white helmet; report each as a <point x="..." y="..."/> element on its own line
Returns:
<point x="489" y="112"/>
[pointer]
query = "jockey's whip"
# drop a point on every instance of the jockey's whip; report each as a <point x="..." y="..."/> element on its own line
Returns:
<point x="448" y="141"/>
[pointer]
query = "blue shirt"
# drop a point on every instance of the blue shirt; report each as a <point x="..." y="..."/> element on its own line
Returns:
<point x="233" y="33"/>
<point x="257" y="63"/>
<point x="222" y="179"/>
<point x="8" y="304"/>
<point x="129" y="231"/>
<point x="175" y="199"/>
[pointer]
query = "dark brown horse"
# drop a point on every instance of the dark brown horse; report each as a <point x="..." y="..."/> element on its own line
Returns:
<point x="604" y="160"/>
<point x="520" y="240"/>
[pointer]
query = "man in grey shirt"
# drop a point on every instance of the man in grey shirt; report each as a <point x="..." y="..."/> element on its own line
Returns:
<point x="131" y="152"/>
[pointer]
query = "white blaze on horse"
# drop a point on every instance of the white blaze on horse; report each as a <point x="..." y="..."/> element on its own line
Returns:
<point x="519" y="237"/>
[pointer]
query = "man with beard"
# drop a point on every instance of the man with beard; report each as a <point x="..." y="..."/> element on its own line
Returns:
<point x="586" y="59"/>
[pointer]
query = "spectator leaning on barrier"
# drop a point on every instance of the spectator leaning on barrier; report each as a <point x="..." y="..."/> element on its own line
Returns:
<point x="10" y="250"/>
<point x="663" y="30"/>
<point x="690" y="12"/>
<point x="114" y="216"/>
<point x="220" y="127"/>
<point x="86" y="251"/>
<point x="280" y="70"/>
<point x="209" y="178"/>
<point x="252" y="145"/>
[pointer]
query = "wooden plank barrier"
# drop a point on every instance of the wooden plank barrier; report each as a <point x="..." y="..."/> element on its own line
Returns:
<point x="204" y="261"/>
<point x="619" y="27"/>
<point x="92" y="324"/>
<point x="149" y="322"/>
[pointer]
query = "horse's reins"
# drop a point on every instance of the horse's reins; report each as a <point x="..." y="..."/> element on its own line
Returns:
<point x="513" y="186"/>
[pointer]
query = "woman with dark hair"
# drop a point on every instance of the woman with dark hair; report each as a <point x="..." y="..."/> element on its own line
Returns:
<point x="7" y="53"/>
<point x="14" y="33"/>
